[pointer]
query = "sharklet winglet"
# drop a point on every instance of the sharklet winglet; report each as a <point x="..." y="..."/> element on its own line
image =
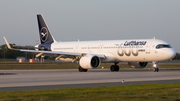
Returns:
<point x="7" y="43"/>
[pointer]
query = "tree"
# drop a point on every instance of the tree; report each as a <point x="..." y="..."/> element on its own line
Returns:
<point x="12" y="54"/>
<point x="177" y="57"/>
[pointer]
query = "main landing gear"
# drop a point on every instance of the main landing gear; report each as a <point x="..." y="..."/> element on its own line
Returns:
<point x="114" y="68"/>
<point x="82" y="70"/>
<point x="156" y="69"/>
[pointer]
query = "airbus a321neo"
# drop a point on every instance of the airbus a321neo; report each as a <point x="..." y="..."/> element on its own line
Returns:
<point x="90" y="54"/>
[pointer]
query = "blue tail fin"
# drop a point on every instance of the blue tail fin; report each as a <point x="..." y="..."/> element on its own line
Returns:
<point x="45" y="34"/>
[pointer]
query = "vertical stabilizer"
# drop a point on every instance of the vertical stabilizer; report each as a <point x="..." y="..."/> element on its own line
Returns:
<point x="45" y="34"/>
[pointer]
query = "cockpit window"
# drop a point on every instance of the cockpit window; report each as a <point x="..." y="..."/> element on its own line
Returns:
<point x="163" y="46"/>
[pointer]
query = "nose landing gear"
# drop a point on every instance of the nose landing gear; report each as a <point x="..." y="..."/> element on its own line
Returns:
<point x="156" y="69"/>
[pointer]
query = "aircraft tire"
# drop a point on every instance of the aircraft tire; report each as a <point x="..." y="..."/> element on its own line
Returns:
<point x="85" y="70"/>
<point x="156" y="69"/>
<point x="112" y="68"/>
<point x="117" y="68"/>
<point x="82" y="70"/>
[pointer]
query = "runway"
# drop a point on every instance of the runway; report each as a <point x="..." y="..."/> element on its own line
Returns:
<point x="20" y="80"/>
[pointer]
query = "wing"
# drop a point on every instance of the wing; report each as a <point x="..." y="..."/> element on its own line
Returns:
<point x="53" y="52"/>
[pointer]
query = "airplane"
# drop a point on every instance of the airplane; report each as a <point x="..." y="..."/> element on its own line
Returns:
<point x="90" y="54"/>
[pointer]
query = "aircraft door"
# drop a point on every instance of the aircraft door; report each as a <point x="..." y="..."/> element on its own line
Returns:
<point x="148" y="47"/>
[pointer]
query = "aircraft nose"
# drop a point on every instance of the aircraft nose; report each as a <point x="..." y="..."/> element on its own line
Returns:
<point x="171" y="53"/>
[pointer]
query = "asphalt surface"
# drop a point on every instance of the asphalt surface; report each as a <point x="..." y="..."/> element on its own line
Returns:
<point x="21" y="80"/>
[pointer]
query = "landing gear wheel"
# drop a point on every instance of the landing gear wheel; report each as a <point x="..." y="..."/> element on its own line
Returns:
<point x="156" y="69"/>
<point x="85" y="70"/>
<point x="82" y="70"/>
<point x="114" y="68"/>
<point x="117" y="68"/>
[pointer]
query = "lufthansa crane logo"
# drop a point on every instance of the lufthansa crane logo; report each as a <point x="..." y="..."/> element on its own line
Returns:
<point x="44" y="34"/>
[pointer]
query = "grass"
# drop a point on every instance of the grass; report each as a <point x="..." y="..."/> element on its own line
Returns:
<point x="76" y="66"/>
<point x="140" y="92"/>
<point x="37" y="66"/>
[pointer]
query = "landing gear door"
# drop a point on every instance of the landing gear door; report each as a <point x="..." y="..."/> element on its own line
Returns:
<point x="148" y="47"/>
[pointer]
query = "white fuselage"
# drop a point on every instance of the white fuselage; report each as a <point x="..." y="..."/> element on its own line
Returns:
<point x="143" y="50"/>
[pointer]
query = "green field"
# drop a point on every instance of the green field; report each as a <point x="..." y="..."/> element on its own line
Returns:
<point x="140" y="92"/>
<point x="75" y="66"/>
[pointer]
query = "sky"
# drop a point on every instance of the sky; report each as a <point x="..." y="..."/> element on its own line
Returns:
<point x="70" y="20"/>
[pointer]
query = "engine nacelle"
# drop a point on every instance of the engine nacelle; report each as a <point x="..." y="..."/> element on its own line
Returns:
<point x="138" y="64"/>
<point x="89" y="62"/>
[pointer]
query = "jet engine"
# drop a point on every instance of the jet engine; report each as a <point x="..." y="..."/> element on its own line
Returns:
<point x="138" y="64"/>
<point x="89" y="62"/>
